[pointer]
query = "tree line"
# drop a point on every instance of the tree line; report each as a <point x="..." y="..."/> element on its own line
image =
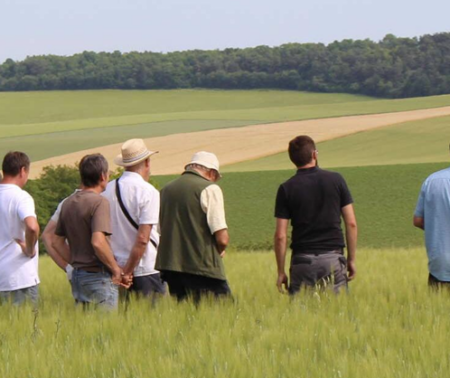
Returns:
<point x="392" y="68"/>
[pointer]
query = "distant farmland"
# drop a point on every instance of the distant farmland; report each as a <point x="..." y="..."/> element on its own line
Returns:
<point x="416" y="142"/>
<point x="46" y="124"/>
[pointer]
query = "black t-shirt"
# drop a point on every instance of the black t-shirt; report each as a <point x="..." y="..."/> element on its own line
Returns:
<point x="312" y="200"/>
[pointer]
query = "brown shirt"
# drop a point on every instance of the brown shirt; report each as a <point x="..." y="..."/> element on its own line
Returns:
<point x="82" y="214"/>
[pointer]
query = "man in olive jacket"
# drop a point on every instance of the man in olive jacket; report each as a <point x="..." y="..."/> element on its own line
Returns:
<point x="194" y="233"/>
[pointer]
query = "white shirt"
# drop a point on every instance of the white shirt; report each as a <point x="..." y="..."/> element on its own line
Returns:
<point x="17" y="271"/>
<point x="211" y="200"/>
<point x="141" y="200"/>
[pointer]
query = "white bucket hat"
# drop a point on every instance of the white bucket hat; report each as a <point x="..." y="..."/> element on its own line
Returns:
<point x="205" y="159"/>
<point x="133" y="152"/>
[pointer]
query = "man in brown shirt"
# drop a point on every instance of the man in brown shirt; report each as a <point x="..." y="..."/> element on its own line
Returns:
<point x="85" y="222"/>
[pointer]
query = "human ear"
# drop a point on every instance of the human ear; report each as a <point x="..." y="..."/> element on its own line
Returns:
<point x="23" y="172"/>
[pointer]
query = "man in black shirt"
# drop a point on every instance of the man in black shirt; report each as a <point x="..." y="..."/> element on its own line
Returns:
<point x="314" y="200"/>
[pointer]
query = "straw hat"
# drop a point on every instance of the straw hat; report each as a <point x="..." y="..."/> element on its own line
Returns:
<point x="133" y="152"/>
<point x="205" y="159"/>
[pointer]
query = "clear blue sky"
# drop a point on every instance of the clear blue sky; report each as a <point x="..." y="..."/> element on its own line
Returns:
<point x="65" y="27"/>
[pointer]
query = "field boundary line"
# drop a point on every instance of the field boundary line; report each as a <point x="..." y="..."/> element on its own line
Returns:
<point x="237" y="144"/>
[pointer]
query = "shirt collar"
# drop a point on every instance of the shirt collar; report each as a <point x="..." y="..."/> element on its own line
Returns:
<point x="132" y="175"/>
<point x="306" y="171"/>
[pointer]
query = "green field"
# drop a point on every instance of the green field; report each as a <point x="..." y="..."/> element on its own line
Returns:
<point x="385" y="194"/>
<point x="389" y="326"/>
<point x="46" y="124"/>
<point x="57" y="106"/>
<point x="385" y="198"/>
<point x="423" y="141"/>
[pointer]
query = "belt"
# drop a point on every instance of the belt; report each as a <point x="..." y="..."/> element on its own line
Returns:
<point x="93" y="270"/>
<point x="319" y="252"/>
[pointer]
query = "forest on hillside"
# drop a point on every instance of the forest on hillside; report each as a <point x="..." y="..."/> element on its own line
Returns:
<point x="392" y="68"/>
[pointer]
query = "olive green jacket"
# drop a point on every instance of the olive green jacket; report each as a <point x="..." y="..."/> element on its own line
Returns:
<point x="186" y="243"/>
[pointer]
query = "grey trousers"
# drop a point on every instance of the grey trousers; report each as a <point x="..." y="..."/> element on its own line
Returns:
<point x="17" y="297"/>
<point x="326" y="270"/>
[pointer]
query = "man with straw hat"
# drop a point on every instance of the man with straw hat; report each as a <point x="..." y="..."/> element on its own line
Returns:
<point x="194" y="232"/>
<point x="134" y="219"/>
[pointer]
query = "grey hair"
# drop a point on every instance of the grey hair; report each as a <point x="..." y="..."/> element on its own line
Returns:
<point x="92" y="167"/>
<point x="198" y="166"/>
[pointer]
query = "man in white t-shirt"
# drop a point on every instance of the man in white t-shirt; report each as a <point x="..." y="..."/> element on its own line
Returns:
<point x="134" y="207"/>
<point x="19" y="233"/>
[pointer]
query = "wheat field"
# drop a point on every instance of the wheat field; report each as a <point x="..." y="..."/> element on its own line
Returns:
<point x="389" y="325"/>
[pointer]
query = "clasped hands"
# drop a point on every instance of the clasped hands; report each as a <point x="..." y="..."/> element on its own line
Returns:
<point x="119" y="278"/>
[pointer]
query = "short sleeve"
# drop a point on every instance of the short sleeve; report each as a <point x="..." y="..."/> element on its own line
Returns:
<point x="420" y="206"/>
<point x="282" y="205"/>
<point x="60" y="229"/>
<point x="56" y="214"/>
<point x="26" y="208"/>
<point x="101" y="219"/>
<point x="212" y="204"/>
<point x="345" y="196"/>
<point x="149" y="207"/>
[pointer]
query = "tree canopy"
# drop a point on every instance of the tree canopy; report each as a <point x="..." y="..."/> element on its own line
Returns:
<point x="393" y="67"/>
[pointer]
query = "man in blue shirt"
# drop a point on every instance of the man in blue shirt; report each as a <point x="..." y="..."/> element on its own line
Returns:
<point x="433" y="216"/>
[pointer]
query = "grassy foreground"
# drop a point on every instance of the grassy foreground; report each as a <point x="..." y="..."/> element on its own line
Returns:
<point x="389" y="326"/>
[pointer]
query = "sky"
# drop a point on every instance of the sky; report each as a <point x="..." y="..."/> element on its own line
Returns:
<point x="66" y="27"/>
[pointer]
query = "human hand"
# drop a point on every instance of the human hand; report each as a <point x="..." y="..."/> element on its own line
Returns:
<point x="127" y="280"/>
<point x="116" y="277"/>
<point x="351" y="269"/>
<point x="223" y="253"/>
<point x="282" y="280"/>
<point x="23" y="247"/>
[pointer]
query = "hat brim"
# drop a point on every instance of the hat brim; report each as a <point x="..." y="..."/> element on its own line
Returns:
<point x="118" y="160"/>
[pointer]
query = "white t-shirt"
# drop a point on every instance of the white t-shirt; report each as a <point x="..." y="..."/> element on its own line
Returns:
<point x="141" y="200"/>
<point x="17" y="271"/>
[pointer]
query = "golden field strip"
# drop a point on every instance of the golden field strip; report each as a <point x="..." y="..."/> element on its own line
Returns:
<point x="239" y="144"/>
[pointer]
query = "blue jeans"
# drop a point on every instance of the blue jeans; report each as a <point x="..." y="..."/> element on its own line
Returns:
<point x="17" y="297"/>
<point x="94" y="288"/>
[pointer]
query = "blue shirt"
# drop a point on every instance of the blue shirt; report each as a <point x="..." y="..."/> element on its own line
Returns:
<point x="434" y="207"/>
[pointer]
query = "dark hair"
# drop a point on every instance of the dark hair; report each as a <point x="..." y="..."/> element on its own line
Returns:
<point x="13" y="162"/>
<point x="91" y="169"/>
<point x="301" y="149"/>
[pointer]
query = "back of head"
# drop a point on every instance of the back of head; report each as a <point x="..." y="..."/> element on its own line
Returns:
<point x="92" y="167"/>
<point x="13" y="162"/>
<point x="301" y="150"/>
